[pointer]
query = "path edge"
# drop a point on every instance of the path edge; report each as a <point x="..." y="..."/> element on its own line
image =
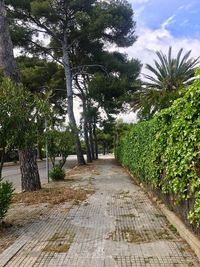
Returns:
<point x="186" y="234"/>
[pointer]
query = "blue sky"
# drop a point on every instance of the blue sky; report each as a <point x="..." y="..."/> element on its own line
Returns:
<point x="164" y="23"/>
<point x="182" y="16"/>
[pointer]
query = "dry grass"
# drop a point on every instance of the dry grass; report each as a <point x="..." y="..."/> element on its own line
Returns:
<point x="59" y="242"/>
<point x="133" y="236"/>
<point x="6" y="238"/>
<point x="58" y="248"/>
<point x="52" y="196"/>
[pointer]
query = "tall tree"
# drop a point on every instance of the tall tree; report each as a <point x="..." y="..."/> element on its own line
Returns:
<point x="106" y="87"/>
<point x="28" y="164"/>
<point x="40" y="76"/>
<point x="164" y="81"/>
<point x="69" y="24"/>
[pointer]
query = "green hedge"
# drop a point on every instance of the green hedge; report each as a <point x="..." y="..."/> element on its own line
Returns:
<point x="165" y="152"/>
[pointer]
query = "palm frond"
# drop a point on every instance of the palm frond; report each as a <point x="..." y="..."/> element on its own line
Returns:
<point x="168" y="75"/>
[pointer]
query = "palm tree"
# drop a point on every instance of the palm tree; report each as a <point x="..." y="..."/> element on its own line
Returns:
<point x="163" y="85"/>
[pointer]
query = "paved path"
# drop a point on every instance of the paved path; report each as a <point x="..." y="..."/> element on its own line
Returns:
<point x="117" y="227"/>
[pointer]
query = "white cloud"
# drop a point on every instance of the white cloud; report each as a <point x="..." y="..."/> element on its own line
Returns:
<point x="150" y="40"/>
<point x="130" y="117"/>
<point x="169" y="21"/>
<point x="186" y="7"/>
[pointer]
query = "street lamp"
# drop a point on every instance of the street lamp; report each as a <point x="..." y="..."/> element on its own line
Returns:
<point x="46" y="145"/>
<point x="47" y="152"/>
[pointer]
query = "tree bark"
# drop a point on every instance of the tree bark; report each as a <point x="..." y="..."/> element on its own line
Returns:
<point x="104" y="148"/>
<point x="95" y="141"/>
<point x="29" y="170"/>
<point x="85" y="128"/>
<point x="91" y="140"/>
<point x="72" y="121"/>
<point x="28" y="164"/>
<point x="7" y="62"/>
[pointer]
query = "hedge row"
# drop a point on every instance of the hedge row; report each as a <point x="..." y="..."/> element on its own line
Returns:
<point x="165" y="152"/>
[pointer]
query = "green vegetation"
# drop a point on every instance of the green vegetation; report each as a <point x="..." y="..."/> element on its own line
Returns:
<point x="60" y="143"/>
<point x="20" y="111"/>
<point x="6" y="191"/>
<point x="164" y="82"/>
<point x="164" y="152"/>
<point x="57" y="173"/>
<point x="78" y="33"/>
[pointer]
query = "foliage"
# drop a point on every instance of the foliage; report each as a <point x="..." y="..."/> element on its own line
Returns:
<point x="41" y="76"/>
<point x="165" y="151"/>
<point x="60" y="143"/>
<point x="133" y="148"/>
<point x="57" y="173"/>
<point x="164" y="82"/>
<point x="19" y="112"/>
<point x="6" y="191"/>
<point x="77" y="33"/>
<point x="105" y="137"/>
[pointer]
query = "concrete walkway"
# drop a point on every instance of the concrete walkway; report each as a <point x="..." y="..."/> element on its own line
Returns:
<point x="118" y="226"/>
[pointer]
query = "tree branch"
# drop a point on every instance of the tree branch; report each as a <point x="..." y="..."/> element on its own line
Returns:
<point x="46" y="50"/>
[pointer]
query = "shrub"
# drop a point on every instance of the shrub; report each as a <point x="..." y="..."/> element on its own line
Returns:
<point x="6" y="191"/>
<point x="165" y="151"/>
<point x="57" y="173"/>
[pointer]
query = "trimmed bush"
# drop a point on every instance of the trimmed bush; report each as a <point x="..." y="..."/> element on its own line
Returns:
<point x="6" y="191"/>
<point x="165" y="151"/>
<point x="57" y="173"/>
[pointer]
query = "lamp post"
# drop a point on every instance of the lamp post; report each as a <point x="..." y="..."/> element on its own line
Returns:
<point x="47" y="153"/>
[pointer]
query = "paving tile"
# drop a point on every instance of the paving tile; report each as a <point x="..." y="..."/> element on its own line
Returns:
<point x="117" y="227"/>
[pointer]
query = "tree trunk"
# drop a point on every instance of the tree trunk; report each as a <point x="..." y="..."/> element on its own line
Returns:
<point x="29" y="170"/>
<point x="85" y="128"/>
<point x="104" y="148"/>
<point x="72" y="121"/>
<point x="39" y="151"/>
<point x="91" y="140"/>
<point x="53" y="161"/>
<point x="8" y="64"/>
<point x="2" y="161"/>
<point x="95" y="141"/>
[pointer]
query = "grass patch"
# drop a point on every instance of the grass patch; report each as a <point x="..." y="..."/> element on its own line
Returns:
<point x="173" y="229"/>
<point x="58" y="248"/>
<point x="59" y="242"/>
